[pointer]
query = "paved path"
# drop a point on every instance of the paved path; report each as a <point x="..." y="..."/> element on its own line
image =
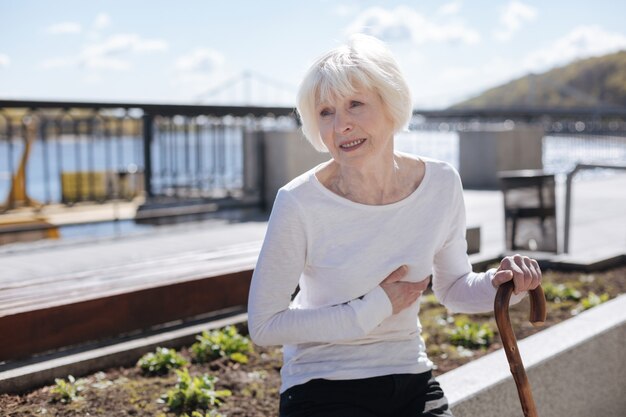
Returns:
<point x="598" y="227"/>
<point x="598" y="216"/>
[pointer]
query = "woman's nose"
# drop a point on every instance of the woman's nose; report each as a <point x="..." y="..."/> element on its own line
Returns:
<point x="343" y="122"/>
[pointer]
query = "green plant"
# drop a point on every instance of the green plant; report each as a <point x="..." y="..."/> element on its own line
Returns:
<point x="593" y="300"/>
<point x="67" y="391"/>
<point x="590" y="301"/>
<point x="212" y="413"/>
<point x="226" y="342"/>
<point x="161" y="361"/>
<point x="470" y="334"/>
<point x="560" y="292"/>
<point x="429" y="300"/>
<point x="194" y="393"/>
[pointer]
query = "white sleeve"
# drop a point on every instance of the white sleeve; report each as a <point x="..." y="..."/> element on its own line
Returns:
<point x="454" y="283"/>
<point x="278" y="270"/>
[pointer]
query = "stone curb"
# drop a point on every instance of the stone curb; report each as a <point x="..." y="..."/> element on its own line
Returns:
<point x="28" y="376"/>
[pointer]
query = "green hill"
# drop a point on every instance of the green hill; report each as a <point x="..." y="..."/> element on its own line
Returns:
<point x="598" y="81"/>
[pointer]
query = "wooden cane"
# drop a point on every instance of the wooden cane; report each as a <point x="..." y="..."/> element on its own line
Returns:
<point x="537" y="318"/>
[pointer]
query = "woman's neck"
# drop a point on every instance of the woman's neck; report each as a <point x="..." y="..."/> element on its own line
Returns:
<point x="383" y="182"/>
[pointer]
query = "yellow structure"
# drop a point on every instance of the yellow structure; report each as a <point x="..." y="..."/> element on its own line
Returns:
<point x="85" y="185"/>
<point x="18" y="196"/>
<point x="24" y="229"/>
<point x="100" y="185"/>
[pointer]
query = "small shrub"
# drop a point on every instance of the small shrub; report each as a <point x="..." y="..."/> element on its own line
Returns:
<point x="212" y="413"/>
<point x="470" y="334"/>
<point x="590" y="301"/>
<point x="193" y="394"/>
<point x="161" y="361"/>
<point x="226" y="342"/>
<point x="593" y="300"/>
<point x="66" y="391"/>
<point x="560" y="292"/>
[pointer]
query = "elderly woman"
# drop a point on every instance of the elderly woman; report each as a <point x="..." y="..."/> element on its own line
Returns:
<point x="360" y="235"/>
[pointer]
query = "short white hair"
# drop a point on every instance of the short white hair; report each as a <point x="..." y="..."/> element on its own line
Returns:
<point x="364" y="62"/>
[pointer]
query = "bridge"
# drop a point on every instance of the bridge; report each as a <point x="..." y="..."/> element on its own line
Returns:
<point x="592" y="120"/>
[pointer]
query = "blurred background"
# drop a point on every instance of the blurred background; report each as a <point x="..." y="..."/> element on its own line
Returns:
<point x="165" y="105"/>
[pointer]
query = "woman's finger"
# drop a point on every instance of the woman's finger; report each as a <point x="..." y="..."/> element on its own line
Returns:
<point x="527" y="276"/>
<point x="524" y="271"/>
<point x="396" y="275"/>
<point x="518" y="273"/>
<point x="422" y="285"/>
<point x="415" y="289"/>
<point x="536" y="274"/>
<point x="501" y="277"/>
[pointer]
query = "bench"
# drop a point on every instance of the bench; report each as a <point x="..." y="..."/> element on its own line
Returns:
<point x="26" y="230"/>
<point x="48" y="313"/>
<point x="43" y="314"/>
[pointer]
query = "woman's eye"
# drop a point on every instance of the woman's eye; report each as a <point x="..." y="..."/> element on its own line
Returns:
<point x="355" y="103"/>
<point x="325" y="112"/>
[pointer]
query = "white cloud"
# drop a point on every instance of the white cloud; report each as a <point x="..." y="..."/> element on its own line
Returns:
<point x="64" y="28"/>
<point x="198" y="71"/>
<point x="4" y="60"/>
<point x="58" y="62"/>
<point x="101" y="62"/>
<point x="200" y="60"/>
<point x="123" y="43"/>
<point x="514" y="15"/>
<point x="454" y="7"/>
<point x="98" y="26"/>
<point x="345" y="9"/>
<point x="109" y="53"/>
<point x="114" y="53"/>
<point x="581" y="42"/>
<point x="102" y="21"/>
<point x="403" y="23"/>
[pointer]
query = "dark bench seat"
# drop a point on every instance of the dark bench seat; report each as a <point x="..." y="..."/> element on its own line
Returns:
<point x="42" y="314"/>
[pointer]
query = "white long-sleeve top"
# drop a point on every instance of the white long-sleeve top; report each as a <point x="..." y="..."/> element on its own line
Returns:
<point x="340" y="324"/>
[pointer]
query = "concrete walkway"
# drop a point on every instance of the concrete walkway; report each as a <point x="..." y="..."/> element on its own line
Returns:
<point x="598" y="229"/>
<point x="598" y="217"/>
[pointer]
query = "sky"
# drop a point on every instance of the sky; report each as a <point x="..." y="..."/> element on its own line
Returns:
<point x="256" y="52"/>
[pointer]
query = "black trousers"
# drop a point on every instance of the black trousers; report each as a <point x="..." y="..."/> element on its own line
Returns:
<point x="400" y="395"/>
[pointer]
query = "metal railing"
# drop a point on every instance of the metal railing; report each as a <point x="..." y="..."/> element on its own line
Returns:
<point x="77" y="157"/>
<point x="562" y="152"/>
<point x="103" y="151"/>
<point x="197" y="156"/>
<point x="594" y="120"/>
<point x="568" y="196"/>
<point x="593" y="135"/>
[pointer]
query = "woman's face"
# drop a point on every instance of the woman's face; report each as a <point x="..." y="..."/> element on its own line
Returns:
<point x="356" y="128"/>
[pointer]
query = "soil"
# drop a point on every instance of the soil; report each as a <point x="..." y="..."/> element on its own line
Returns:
<point x="255" y="385"/>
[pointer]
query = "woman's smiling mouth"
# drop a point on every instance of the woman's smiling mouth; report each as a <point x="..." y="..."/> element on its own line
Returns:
<point x="351" y="145"/>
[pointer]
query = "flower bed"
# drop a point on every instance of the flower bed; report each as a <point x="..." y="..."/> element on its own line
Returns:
<point x="253" y="381"/>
